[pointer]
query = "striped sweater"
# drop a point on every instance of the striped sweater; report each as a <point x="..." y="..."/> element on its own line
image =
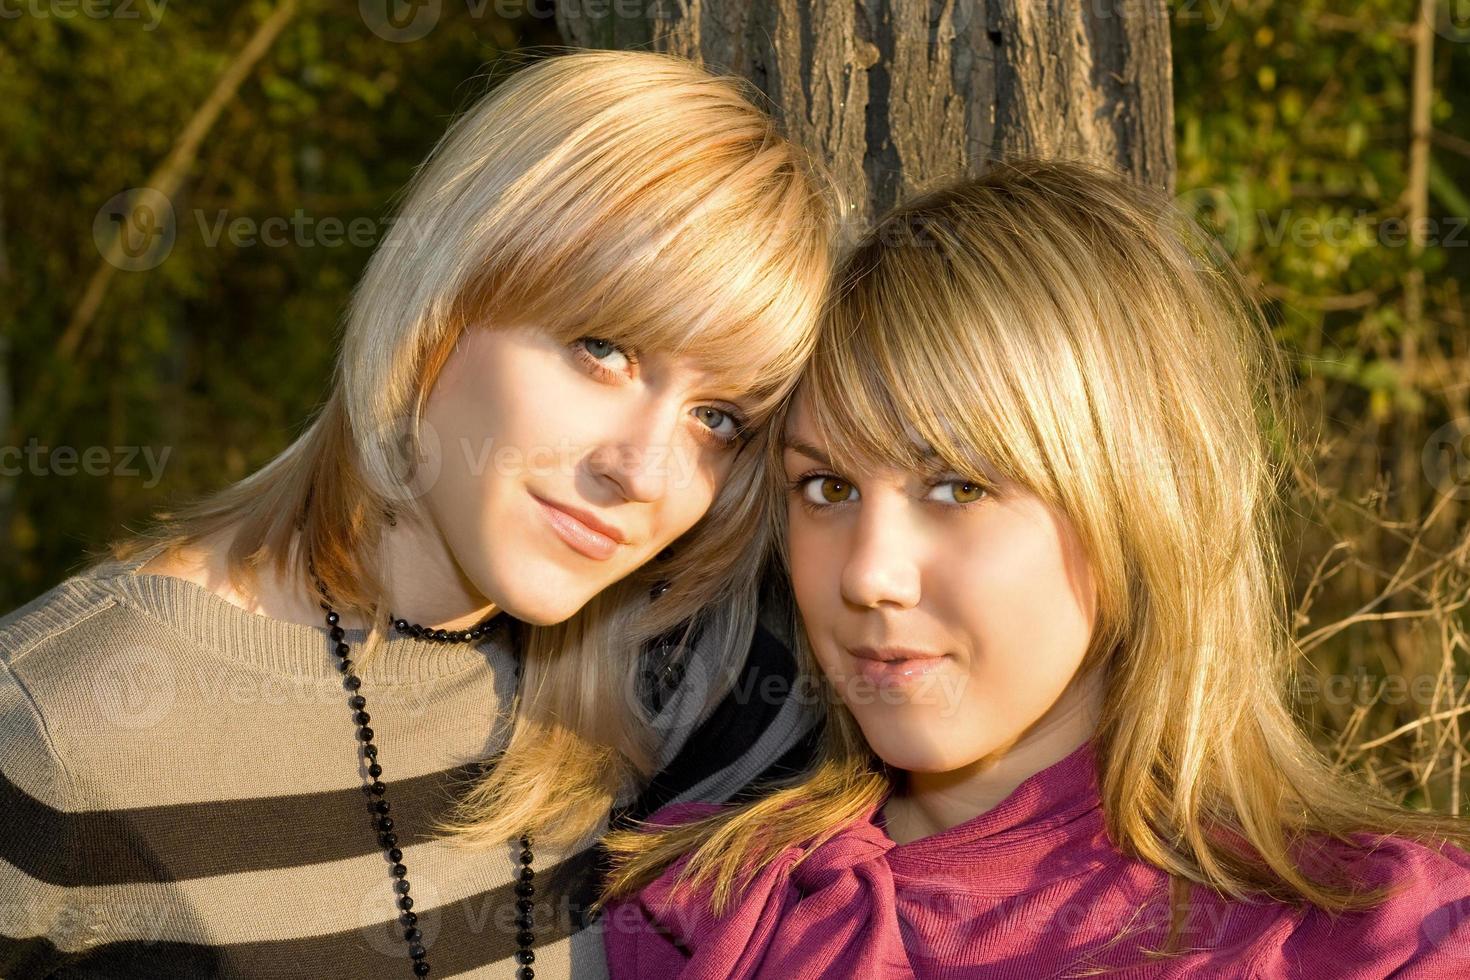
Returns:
<point x="181" y="793"/>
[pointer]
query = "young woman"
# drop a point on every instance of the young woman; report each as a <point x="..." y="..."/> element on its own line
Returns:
<point x="531" y="484"/>
<point x="1030" y="535"/>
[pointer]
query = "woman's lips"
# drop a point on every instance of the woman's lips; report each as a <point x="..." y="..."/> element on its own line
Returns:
<point x="895" y="671"/>
<point x="581" y="538"/>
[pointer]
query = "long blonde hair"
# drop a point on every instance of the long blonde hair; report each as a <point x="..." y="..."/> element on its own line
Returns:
<point x="629" y="196"/>
<point x="1068" y="328"/>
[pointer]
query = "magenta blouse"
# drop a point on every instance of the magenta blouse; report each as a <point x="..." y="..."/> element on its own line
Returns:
<point x="1030" y="889"/>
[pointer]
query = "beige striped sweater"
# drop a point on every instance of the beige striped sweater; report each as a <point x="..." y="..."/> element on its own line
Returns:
<point x="181" y="793"/>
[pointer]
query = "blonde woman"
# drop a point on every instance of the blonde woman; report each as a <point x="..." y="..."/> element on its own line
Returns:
<point x="522" y="528"/>
<point x="1030" y="534"/>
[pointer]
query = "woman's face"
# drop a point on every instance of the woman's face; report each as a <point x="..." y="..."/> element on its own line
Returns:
<point x="986" y="604"/>
<point x="520" y="429"/>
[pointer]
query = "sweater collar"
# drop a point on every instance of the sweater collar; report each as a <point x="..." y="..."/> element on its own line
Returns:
<point x="292" y="649"/>
<point x="1050" y="825"/>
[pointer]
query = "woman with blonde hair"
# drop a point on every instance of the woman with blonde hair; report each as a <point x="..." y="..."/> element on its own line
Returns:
<point x="522" y="528"/>
<point x="1031" y="480"/>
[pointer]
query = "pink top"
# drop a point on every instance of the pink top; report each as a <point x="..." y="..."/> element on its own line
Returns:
<point x="1033" y="888"/>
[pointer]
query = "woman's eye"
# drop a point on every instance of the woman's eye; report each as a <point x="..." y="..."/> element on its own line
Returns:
<point x="607" y="354"/>
<point x="726" y="426"/>
<point x="824" y="490"/>
<point x="964" y="491"/>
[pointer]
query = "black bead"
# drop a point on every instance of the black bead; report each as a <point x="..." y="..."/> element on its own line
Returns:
<point x="381" y="806"/>
<point x="525" y="973"/>
<point x="525" y="889"/>
<point x="394" y="854"/>
<point x="344" y="665"/>
<point x="417" y="952"/>
<point x="357" y="702"/>
<point x="401" y="886"/>
<point x="399" y="870"/>
<point x="421" y="968"/>
<point x="385" y="823"/>
<point x="525" y="922"/>
<point x="365" y="733"/>
<point x="527" y="874"/>
<point x="389" y="839"/>
<point x="409" y="918"/>
<point x="333" y="619"/>
<point x="353" y="682"/>
<point x="343" y="649"/>
<point x="401" y="625"/>
<point x="525" y="957"/>
<point x="527" y="857"/>
<point x="412" y="934"/>
<point x="417" y="631"/>
<point x="405" y="903"/>
<point x="524" y="905"/>
<point x="375" y="770"/>
<point x="362" y="717"/>
<point x="378" y="788"/>
<point x="336" y="632"/>
<point x="371" y="751"/>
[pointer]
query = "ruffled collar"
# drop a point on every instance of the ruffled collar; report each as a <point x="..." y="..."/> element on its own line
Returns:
<point x="835" y="909"/>
<point x="1049" y="826"/>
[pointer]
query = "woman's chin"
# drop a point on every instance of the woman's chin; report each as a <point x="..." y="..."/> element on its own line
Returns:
<point x="916" y="748"/>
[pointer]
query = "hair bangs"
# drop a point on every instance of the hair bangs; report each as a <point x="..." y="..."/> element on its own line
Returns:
<point x="715" y="250"/>
<point x="881" y="387"/>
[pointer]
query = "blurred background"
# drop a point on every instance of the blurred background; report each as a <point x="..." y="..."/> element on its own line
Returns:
<point x="1326" y="144"/>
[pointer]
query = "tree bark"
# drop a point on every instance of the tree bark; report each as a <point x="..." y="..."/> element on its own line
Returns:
<point x="896" y="95"/>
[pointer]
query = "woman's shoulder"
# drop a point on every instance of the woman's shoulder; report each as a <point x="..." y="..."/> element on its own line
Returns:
<point x="1421" y="929"/>
<point x="80" y="667"/>
<point x="63" y="620"/>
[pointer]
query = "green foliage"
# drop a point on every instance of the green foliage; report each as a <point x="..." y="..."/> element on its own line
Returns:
<point x="219" y="354"/>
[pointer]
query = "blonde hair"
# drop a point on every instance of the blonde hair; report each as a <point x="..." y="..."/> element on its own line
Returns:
<point x="629" y="196"/>
<point x="1068" y="328"/>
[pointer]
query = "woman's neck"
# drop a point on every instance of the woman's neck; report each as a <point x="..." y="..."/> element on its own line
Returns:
<point x="422" y="578"/>
<point x="928" y="803"/>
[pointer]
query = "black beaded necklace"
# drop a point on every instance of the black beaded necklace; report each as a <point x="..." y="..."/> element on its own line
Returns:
<point x="525" y="887"/>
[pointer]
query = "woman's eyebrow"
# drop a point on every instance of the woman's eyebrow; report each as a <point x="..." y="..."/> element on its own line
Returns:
<point x="806" y="449"/>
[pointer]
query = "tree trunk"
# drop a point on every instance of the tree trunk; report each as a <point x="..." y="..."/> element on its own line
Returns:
<point x="898" y="94"/>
